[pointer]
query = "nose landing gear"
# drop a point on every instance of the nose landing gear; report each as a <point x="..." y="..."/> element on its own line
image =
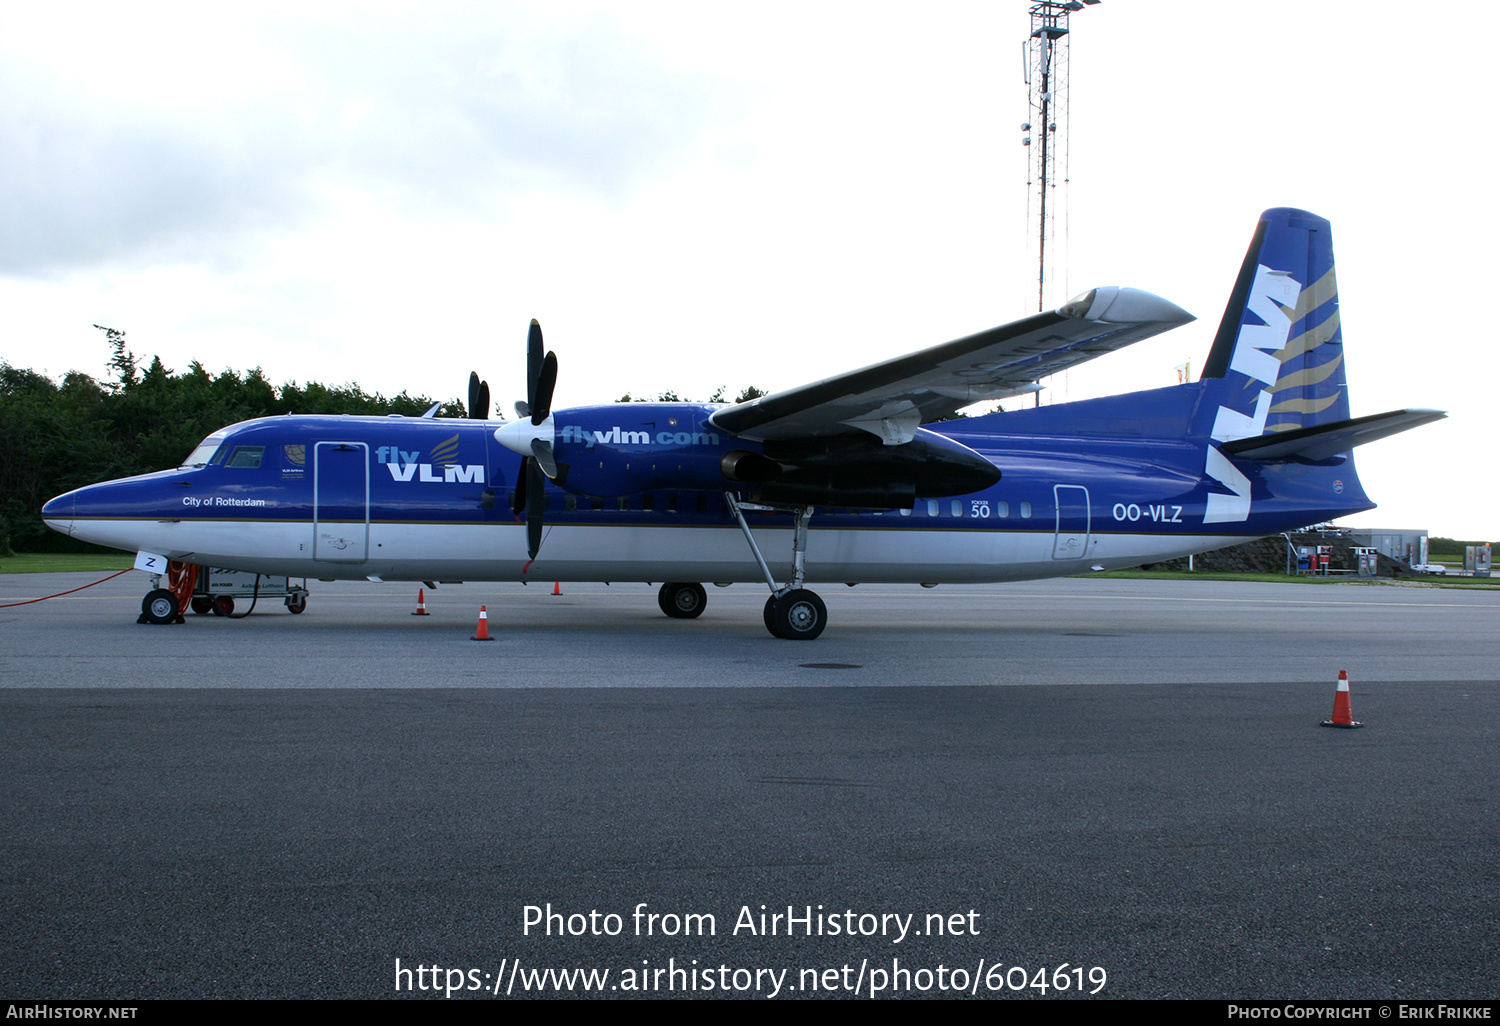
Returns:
<point x="160" y="606"/>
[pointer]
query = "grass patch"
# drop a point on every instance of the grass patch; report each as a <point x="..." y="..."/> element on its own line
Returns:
<point x="1219" y="575"/>
<point x="65" y="562"/>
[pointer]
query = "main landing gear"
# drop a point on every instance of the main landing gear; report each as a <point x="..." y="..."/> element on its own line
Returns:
<point x="682" y="600"/>
<point x="792" y="612"/>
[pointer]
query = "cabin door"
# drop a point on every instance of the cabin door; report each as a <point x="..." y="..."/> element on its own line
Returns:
<point x="341" y="502"/>
<point x="1072" y="538"/>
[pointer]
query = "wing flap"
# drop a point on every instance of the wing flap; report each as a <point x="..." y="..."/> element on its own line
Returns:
<point x="888" y="399"/>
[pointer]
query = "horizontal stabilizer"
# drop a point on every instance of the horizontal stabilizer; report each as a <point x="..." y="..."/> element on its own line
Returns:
<point x="1324" y="440"/>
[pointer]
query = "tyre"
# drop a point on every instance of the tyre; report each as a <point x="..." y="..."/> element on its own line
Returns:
<point x="296" y="603"/>
<point x="201" y="604"/>
<point x="224" y="605"/>
<point x="682" y="601"/>
<point x="799" y="615"/>
<point x="769" y="613"/>
<point x="159" y="606"/>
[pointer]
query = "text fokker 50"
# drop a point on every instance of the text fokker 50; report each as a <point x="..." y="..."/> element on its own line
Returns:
<point x="836" y="481"/>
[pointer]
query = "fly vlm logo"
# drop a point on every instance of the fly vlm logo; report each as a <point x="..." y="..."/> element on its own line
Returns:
<point x="618" y="436"/>
<point x="1273" y="296"/>
<point x="443" y="468"/>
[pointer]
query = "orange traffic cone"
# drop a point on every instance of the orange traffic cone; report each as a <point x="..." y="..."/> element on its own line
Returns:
<point x="483" y="633"/>
<point x="557" y="587"/>
<point x="1341" y="713"/>
<point x="421" y="604"/>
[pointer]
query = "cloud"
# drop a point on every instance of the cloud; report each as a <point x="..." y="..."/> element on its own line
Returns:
<point x="178" y="146"/>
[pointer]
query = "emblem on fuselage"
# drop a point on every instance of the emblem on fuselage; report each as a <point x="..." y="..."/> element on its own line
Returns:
<point x="443" y="467"/>
<point x="617" y="435"/>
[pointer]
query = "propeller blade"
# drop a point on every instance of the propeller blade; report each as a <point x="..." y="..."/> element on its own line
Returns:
<point x="473" y="393"/>
<point x="536" y="505"/>
<point x="533" y="361"/>
<point x="523" y="410"/>
<point x="541" y="400"/>
<point x="543" y="453"/>
<point x="518" y="497"/>
<point x="484" y="401"/>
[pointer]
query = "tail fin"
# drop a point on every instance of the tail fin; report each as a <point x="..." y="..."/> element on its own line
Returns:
<point x="1274" y="381"/>
<point x="1280" y="339"/>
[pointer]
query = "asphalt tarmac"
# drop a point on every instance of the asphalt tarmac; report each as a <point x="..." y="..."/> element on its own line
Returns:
<point x="1117" y="786"/>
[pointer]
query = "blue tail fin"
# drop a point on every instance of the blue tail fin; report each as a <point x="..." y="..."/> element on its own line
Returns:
<point x="1279" y="341"/>
<point x="1276" y="406"/>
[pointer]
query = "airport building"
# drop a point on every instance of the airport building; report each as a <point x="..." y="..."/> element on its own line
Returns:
<point x="1399" y="544"/>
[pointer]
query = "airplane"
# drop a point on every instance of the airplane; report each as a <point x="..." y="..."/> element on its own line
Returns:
<point x="855" y="478"/>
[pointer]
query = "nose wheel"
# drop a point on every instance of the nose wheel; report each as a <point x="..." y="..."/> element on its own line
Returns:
<point x="160" y="606"/>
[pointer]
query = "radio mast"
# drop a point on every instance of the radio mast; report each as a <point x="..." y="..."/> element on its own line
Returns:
<point x="1045" y="132"/>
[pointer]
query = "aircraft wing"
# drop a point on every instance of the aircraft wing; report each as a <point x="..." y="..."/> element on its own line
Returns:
<point x="891" y="399"/>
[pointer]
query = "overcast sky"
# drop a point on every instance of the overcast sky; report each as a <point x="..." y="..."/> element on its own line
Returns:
<point x="690" y="195"/>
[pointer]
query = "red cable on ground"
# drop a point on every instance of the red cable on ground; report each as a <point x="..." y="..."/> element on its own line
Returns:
<point x="70" y="591"/>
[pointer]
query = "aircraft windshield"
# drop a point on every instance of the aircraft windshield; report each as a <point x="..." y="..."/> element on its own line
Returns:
<point x="205" y="453"/>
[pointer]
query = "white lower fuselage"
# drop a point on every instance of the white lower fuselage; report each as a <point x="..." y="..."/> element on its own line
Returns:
<point x="904" y="550"/>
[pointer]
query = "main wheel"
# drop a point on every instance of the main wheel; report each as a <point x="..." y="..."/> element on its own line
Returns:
<point x="224" y="605"/>
<point x="202" y="604"/>
<point x="682" y="601"/>
<point x="159" y="606"/>
<point x="799" y="615"/>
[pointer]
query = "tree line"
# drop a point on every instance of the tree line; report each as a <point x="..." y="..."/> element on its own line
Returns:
<point x="57" y="436"/>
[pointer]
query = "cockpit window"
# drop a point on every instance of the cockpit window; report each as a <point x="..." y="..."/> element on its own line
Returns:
<point x="246" y="457"/>
<point x="208" y="452"/>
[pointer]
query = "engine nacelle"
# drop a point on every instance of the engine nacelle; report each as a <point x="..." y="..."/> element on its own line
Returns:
<point x="624" y="448"/>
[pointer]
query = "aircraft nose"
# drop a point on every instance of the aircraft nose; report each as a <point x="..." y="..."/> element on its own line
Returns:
<point x="57" y="513"/>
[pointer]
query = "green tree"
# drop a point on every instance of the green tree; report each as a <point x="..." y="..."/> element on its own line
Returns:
<point x="56" y="438"/>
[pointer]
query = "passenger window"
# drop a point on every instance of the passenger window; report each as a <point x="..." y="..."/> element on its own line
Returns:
<point x="595" y="502"/>
<point x="932" y="507"/>
<point x="1002" y="509"/>
<point x="648" y="502"/>
<point x="671" y="502"/>
<point x="1025" y="510"/>
<point x="623" y="505"/>
<point x="956" y="508"/>
<point x="246" y="457"/>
